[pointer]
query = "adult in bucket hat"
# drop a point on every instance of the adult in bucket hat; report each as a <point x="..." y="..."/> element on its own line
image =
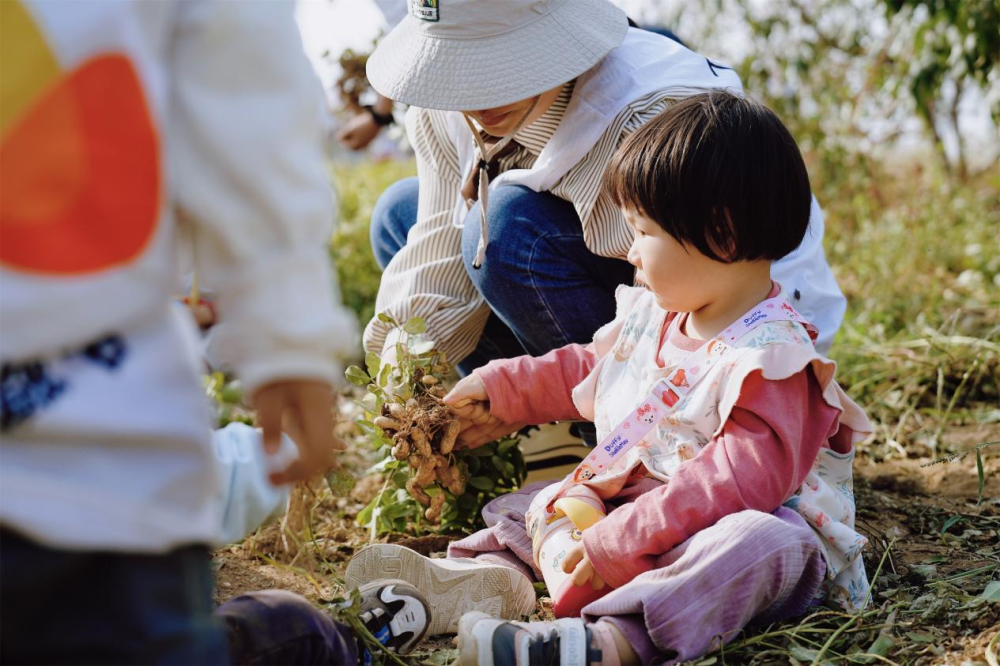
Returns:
<point x="505" y="242"/>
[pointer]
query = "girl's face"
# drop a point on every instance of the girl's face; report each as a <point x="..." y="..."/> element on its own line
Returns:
<point x="681" y="277"/>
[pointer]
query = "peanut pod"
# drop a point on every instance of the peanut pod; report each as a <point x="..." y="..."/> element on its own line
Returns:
<point x="401" y="449"/>
<point x="450" y="436"/>
<point x="433" y="513"/>
<point x="420" y="441"/>
<point x="417" y="492"/>
<point x="388" y="423"/>
<point x="425" y="475"/>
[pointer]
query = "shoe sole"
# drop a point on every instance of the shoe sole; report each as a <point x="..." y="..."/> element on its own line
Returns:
<point x="451" y="588"/>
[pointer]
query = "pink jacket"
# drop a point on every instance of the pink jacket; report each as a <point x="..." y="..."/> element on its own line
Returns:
<point x="760" y="458"/>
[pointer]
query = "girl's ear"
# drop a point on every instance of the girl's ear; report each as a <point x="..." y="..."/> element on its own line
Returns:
<point x="721" y="236"/>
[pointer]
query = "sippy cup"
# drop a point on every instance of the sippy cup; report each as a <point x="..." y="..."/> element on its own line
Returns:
<point x="554" y="533"/>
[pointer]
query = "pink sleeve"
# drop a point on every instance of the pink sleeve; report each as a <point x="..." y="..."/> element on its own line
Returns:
<point x="765" y="450"/>
<point x="533" y="390"/>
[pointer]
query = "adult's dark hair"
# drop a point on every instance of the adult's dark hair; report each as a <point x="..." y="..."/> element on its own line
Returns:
<point x="719" y="172"/>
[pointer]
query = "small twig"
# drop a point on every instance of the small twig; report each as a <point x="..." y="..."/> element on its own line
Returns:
<point x="960" y="455"/>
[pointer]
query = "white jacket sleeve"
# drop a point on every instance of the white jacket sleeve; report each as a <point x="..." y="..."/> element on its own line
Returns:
<point x="248" y="499"/>
<point x="249" y="177"/>
<point x="808" y="280"/>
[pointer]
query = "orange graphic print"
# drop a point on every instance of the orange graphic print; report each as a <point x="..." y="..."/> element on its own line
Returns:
<point x="80" y="186"/>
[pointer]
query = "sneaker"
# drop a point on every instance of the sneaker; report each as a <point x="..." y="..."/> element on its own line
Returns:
<point x="485" y="641"/>
<point x="552" y="450"/>
<point x="452" y="587"/>
<point x="395" y="613"/>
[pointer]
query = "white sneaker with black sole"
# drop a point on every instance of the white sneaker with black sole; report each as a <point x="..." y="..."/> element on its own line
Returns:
<point x="395" y="613"/>
<point x="452" y="587"/>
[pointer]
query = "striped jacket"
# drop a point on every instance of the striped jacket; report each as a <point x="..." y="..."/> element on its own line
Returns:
<point x="578" y="135"/>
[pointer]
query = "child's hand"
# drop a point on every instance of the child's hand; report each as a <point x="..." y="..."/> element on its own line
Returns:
<point x="470" y="403"/>
<point x="308" y="407"/>
<point x="203" y="312"/>
<point x="576" y="563"/>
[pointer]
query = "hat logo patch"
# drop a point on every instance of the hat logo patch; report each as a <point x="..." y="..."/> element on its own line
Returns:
<point x="425" y="10"/>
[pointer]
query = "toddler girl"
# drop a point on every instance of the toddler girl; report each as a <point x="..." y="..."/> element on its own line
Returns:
<point x="726" y="446"/>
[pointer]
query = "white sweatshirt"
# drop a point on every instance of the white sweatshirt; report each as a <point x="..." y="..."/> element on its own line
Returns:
<point x="127" y="122"/>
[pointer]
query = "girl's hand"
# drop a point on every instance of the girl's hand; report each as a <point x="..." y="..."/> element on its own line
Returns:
<point x="576" y="563"/>
<point x="470" y="402"/>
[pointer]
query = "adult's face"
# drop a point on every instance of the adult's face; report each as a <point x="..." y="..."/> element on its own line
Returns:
<point x="500" y="121"/>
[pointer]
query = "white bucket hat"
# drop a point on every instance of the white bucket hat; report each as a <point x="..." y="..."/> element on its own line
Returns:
<point x="465" y="55"/>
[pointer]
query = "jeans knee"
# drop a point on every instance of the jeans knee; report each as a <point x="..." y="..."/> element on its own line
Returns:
<point x="518" y="217"/>
<point x="394" y="214"/>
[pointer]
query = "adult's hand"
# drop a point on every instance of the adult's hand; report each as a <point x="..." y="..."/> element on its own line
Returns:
<point x="359" y="131"/>
<point x="470" y="402"/>
<point x="307" y="407"/>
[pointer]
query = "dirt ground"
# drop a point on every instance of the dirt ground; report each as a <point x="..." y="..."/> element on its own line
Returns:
<point x="945" y="548"/>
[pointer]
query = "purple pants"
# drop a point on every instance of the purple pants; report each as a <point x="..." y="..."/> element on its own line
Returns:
<point x="270" y="627"/>
<point x="749" y="566"/>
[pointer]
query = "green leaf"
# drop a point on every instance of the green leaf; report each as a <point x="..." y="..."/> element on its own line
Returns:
<point x="400" y="478"/>
<point x="992" y="591"/>
<point x="356" y="375"/>
<point x="951" y="521"/>
<point x="341" y="482"/>
<point x="982" y="475"/>
<point x="803" y="654"/>
<point x="365" y="515"/>
<point x="415" y="326"/>
<point x="506" y="445"/>
<point x="373" y="363"/>
<point x="481" y="483"/>
<point x="383" y="317"/>
<point x="883" y="645"/>
<point x="921" y="638"/>
<point x="383" y="378"/>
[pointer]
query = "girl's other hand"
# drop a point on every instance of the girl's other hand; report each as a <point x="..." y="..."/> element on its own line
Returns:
<point x="470" y="402"/>
<point x="577" y="564"/>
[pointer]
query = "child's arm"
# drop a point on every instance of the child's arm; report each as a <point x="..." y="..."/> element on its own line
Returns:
<point x="760" y="458"/>
<point x="537" y="389"/>
<point x="249" y="181"/>
<point x="508" y="394"/>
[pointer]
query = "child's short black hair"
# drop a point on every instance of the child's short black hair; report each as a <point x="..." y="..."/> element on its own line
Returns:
<point x="719" y="172"/>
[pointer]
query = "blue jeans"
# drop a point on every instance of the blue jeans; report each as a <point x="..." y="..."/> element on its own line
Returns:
<point x="60" y="606"/>
<point x="545" y="288"/>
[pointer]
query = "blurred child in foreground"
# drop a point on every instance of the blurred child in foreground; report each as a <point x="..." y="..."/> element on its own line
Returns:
<point x="123" y="125"/>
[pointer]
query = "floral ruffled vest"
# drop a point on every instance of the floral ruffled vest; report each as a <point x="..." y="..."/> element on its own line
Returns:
<point x="627" y="372"/>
